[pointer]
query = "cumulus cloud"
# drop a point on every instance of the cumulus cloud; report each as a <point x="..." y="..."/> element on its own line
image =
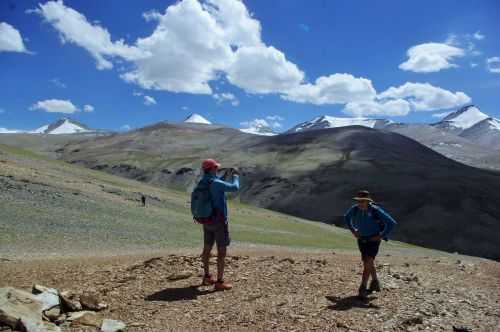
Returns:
<point x="263" y="69"/>
<point x="431" y="57"/>
<point x="275" y="121"/>
<point x="88" y="108"/>
<point x="196" y="43"/>
<point x="493" y="65"/>
<point x="73" y="27"/>
<point x="149" y="101"/>
<point x="226" y="96"/>
<point x="441" y="115"/>
<point x="426" y="97"/>
<point x="125" y="127"/>
<point x="333" y="89"/>
<point x="478" y="35"/>
<point x="10" y="39"/>
<point x="55" y="106"/>
<point x="397" y="107"/>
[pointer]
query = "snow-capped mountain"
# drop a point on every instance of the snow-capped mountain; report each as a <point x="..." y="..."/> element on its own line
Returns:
<point x="463" y="119"/>
<point x="196" y="118"/>
<point x="325" y="121"/>
<point x="259" y="129"/>
<point x="9" y="131"/>
<point x="485" y="133"/>
<point x="62" y="126"/>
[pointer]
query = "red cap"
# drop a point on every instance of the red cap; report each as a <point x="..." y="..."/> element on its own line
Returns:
<point x="208" y="164"/>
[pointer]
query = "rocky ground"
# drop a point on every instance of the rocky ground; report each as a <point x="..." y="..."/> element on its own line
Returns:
<point x="276" y="290"/>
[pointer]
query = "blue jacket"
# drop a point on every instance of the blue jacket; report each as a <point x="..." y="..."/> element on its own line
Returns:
<point x="218" y="188"/>
<point x="367" y="222"/>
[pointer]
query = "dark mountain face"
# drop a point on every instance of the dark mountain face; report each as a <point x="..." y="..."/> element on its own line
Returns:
<point x="438" y="202"/>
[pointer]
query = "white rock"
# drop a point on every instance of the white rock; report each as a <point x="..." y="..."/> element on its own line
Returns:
<point x="110" y="325"/>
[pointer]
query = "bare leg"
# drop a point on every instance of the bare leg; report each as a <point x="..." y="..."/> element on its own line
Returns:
<point x="373" y="270"/>
<point x="367" y="262"/>
<point x="205" y="258"/>
<point x="221" y="262"/>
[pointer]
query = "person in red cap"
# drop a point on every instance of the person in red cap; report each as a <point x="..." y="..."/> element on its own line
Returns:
<point x="217" y="231"/>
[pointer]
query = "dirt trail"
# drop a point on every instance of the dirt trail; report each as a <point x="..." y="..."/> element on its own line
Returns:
<point x="277" y="290"/>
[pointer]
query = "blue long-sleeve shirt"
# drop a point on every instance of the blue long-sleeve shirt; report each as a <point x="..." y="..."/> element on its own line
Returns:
<point x="367" y="222"/>
<point x="218" y="189"/>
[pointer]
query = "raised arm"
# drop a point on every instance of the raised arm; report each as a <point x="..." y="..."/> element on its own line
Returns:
<point x="228" y="186"/>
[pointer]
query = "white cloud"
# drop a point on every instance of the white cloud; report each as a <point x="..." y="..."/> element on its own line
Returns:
<point x="125" y="127"/>
<point x="255" y="124"/>
<point x="73" y="27"/>
<point x="275" y="121"/>
<point x="196" y="43"/>
<point x="431" y="57"/>
<point x="473" y="64"/>
<point x="184" y="108"/>
<point x="493" y="65"/>
<point x="263" y="69"/>
<point x="57" y="82"/>
<point x="88" y="108"/>
<point x="426" y="97"/>
<point x="148" y="101"/>
<point x="441" y="115"/>
<point x="226" y="96"/>
<point x="188" y="48"/>
<point x="10" y="39"/>
<point x="397" y="107"/>
<point x="137" y="93"/>
<point x="333" y="89"/>
<point x="478" y="35"/>
<point x="55" y="106"/>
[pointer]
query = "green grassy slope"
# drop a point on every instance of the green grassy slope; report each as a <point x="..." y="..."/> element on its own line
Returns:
<point x="51" y="207"/>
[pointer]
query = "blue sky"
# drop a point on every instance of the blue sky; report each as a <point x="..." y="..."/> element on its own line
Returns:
<point x="233" y="62"/>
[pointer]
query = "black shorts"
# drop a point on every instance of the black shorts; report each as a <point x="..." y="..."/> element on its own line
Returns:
<point x="368" y="248"/>
<point x="218" y="232"/>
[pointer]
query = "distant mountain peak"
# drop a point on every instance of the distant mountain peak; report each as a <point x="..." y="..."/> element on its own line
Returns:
<point x="63" y="126"/>
<point x="464" y="118"/>
<point x="196" y="118"/>
<point x="327" y="121"/>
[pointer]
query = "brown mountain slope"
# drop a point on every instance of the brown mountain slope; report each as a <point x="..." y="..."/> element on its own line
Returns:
<point x="439" y="203"/>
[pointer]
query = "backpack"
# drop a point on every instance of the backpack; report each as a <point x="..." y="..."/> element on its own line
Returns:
<point x="201" y="203"/>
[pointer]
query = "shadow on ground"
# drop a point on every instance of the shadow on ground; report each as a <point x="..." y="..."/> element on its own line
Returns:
<point x="178" y="294"/>
<point x="350" y="302"/>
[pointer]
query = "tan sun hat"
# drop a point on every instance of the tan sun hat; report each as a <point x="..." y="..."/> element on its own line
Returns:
<point x="363" y="195"/>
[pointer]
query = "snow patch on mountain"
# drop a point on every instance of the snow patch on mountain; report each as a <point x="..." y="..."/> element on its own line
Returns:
<point x="464" y="118"/>
<point x="196" y="118"/>
<point x="326" y="121"/>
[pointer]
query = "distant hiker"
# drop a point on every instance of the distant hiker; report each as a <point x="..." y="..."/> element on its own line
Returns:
<point x="209" y="208"/>
<point x="369" y="223"/>
<point x="143" y="200"/>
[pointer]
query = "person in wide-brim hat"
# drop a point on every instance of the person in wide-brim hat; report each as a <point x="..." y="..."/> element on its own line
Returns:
<point x="369" y="223"/>
<point x="363" y="195"/>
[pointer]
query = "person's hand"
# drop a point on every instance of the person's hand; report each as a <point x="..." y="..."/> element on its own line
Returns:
<point x="234" y="171"/>
<point x="376" y="238"/>
<point x="356" y="234"/>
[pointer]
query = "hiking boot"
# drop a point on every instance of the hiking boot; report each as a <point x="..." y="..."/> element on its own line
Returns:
<point x="208" y="280"/>
<point x="374" y="286"/>
<point x="362" y="292"/>
<point x="221" y="285"/>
